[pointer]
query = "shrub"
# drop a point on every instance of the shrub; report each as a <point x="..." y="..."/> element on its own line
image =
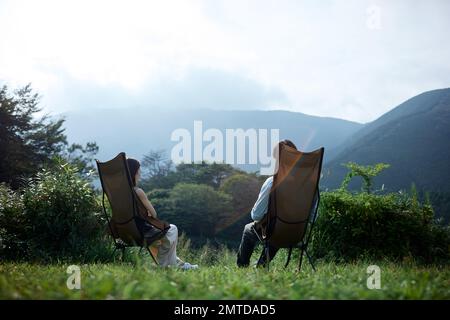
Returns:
<point x="12" y="220"/>
<point x="367" y="173"/>
<point x="394" y="226"/>
<point x="56" y="216"/>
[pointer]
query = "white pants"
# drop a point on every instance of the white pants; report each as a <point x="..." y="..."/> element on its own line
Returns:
<point x="167" y="253"/>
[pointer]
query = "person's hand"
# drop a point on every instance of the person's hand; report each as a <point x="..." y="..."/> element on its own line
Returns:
<point x="157" y="243"/>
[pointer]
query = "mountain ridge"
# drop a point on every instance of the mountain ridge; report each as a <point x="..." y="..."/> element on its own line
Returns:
<point x="401" y="137"/>
<point x="152" y="128"/>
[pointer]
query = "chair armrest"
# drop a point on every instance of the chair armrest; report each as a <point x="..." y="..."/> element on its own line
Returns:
<point x="158" y="223"/>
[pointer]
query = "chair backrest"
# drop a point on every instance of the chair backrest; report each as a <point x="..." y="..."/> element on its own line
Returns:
<point x="293" y="195"/>
<point x="117" y="185"/>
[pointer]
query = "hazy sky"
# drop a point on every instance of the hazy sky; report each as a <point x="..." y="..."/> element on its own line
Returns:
<point x="348" y="59"/>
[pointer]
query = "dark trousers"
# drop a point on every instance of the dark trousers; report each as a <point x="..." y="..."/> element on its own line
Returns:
<point x="248" y="242"/>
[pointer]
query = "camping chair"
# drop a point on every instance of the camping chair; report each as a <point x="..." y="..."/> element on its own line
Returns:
<point x="128" y="212"/>
<point x="293" y="202"/>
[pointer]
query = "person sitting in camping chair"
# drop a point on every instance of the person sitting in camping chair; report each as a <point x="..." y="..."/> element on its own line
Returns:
<point x="252" y="233"/>
<point x="166" y="247"/>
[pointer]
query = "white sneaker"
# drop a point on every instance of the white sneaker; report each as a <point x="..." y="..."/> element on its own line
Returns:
<point x="188" y="266"/>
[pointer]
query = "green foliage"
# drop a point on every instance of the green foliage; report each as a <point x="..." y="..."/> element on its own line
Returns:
<point x="158" y="172"/>
<point x="395" y="226"/>
<point x="219" y="278"/>
<point x="82" y="158"/>
<point x="367" y="173"/>
<point x="202" y="199"/>
<point x="211" y="174"/>
<point x="349" y="225"/>
<point x="202" y="211"/>
<point x="29" y="143"/>
<point x="244" y="190"/>
<point x="242" y="187"/>
<point x="440" y="201"/>
<point x="194" y="208"/>
<point x="155" y="163"/>
<point x="56" y="216"/>
<point x="25" y="143"/>
<point x="12" y="220"/>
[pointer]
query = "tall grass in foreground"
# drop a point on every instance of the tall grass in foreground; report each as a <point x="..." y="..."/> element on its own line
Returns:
<point x="136" y="277"/>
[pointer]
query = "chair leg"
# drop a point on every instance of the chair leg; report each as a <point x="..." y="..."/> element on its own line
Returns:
<point x="310" y="261"/>
<point x="288" y="258"/>
<point x="123" y="254"/>
<point x="154" y="251"/>
<point x="301" y="260"/>
<point x="113" y="253"/>
<point x="151" y="254"/>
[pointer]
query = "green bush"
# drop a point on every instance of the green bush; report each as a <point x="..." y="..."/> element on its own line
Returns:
<point x="56" y="216"/>
<point x="393" y="226"/>
<point x="12" y="220"/>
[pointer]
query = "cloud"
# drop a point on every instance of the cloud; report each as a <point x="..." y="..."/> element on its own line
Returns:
<point x="320" y="58"/>
<point x="215" y="89"/>
<point x="197" y="88"/>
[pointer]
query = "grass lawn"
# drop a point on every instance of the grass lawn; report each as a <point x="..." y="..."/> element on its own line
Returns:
<point x="218" y="278"/>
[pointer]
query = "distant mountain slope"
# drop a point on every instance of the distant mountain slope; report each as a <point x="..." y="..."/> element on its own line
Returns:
<point x="413" y="137"/>
<point x="138" y="130"/>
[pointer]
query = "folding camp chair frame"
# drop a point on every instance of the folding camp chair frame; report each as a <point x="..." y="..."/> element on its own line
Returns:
<point x="122" y="246"/>
<point x="118" y="245"/>
<point x="302" y="245"/>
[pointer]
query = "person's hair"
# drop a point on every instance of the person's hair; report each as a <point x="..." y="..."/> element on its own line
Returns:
<point x="284" y="142"/>
<point x="133" y="166"/>
<point x="288" y="143"/>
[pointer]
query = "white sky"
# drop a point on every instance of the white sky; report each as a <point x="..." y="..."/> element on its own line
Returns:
<point x="348" y="59"/>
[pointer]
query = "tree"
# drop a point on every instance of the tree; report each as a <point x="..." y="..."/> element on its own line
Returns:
<point x="159" y="172"/>
<point x="155" y="163"/>
<point x="243" y="189"/>
<point x="56" y="215"/>
<point x="82" y="158"/>
<point x="156" y="168"/>
<point x="214" y="174"/>
<point x="195" y="208"/>
<point x="27" y="142"/>
<point x="367" y="173"/>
